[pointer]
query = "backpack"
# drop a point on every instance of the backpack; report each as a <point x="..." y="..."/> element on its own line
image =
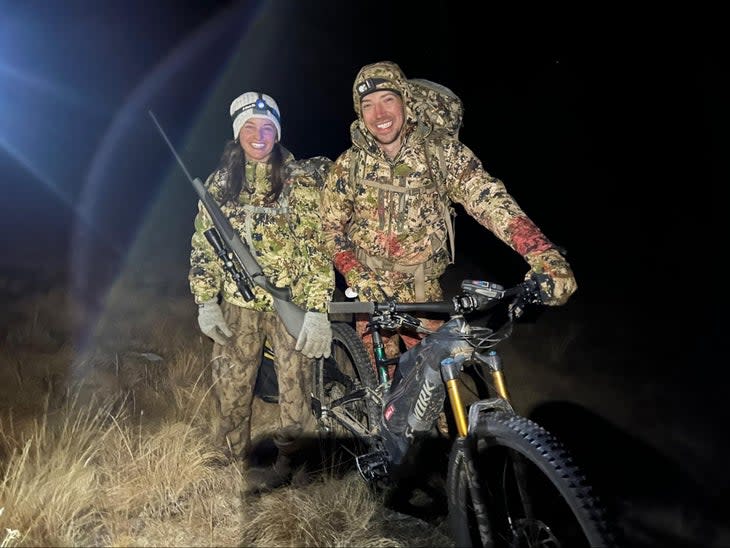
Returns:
<point x="441" y="108"/>
<point x="437" y="104"/>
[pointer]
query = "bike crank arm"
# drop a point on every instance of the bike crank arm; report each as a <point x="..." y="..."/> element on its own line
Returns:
<point x="347" y="422"/>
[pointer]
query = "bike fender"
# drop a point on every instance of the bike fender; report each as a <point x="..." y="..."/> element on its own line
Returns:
<point x="480" y="407"/>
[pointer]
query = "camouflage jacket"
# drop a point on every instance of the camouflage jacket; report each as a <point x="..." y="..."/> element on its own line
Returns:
<point x="286" y="238"/>
<point x="393" y="210"/>
<point x="372" y="212"/>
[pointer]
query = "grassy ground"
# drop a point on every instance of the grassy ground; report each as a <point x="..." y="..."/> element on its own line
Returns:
<point x="105" y="420"/>
<point x="105" y="441"/>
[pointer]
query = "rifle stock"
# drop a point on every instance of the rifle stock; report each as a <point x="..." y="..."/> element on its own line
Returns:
<point x="291" y="315"/>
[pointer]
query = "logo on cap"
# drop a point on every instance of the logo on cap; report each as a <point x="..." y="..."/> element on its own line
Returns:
<point x="260" y="107"/>
<point x="369" y="85"/>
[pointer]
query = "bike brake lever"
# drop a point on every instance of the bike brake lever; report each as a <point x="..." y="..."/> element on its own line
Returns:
<point x="410" y="321"/>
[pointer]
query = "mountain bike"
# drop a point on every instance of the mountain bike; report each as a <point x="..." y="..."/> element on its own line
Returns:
<point x="509" y="481"/>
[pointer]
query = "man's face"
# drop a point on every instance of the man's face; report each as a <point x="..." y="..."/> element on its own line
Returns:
<point x="382" y="112"/>
<point x="257" y="138"/>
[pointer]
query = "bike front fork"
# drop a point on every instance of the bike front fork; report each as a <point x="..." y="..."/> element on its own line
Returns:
<point x="451" y="369"/>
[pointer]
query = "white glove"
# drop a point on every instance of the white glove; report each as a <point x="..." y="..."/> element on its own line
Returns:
<point x="211" y="322"/>
<point x="315" y="338"/>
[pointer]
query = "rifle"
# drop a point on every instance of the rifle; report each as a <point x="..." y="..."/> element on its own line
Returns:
<point x="237" y="258"/>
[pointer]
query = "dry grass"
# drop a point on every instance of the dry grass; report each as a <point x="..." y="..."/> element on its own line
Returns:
<point x="109" y="445"/>
<point x="51" y="485"/>
<point x="331" y="512"/>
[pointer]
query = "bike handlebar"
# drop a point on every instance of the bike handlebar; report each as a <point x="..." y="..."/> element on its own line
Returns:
<point x="475" y="296"/>
<point x="357" y="307"/>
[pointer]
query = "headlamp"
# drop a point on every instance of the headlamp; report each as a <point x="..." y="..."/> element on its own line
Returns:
<point x="370" y="85"/>
<point x="259" y="106"/>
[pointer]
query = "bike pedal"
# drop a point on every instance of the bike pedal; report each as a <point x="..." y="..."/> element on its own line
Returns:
<point x="373" y="466"/>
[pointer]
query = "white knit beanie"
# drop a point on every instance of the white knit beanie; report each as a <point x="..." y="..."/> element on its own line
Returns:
<point x="253" y="104"/>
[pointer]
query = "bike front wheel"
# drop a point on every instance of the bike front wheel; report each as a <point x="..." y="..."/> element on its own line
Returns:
<point x="344" y="389"/>
<point x="513" y="484"/>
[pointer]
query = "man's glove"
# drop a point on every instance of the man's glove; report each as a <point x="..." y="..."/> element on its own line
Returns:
<point x="211" y="322"/>
<point x="367" y="284"/>
<point x="552" y="272"/>
<point x="315" y="338"/>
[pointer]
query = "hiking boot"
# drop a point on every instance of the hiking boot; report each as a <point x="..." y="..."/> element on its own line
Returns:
<point x="288" y="442"/>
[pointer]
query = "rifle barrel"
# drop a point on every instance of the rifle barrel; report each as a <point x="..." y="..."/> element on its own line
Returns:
<point x="169" y="144"/>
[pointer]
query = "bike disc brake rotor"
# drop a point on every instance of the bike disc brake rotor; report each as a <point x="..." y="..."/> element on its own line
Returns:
<point x="531" y="533"/>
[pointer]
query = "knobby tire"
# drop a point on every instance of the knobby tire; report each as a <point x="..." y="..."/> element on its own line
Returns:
<point x="347" y="371"/>
<point x="552" y="506"/>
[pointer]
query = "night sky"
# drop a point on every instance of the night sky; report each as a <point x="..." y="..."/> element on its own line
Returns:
<point x="599" y="124"/>
<point x="605" y="126"/>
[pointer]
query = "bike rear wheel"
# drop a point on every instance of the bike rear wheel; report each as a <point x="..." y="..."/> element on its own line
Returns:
<point x="344" y="385"/>
<point x="525" y="490"/>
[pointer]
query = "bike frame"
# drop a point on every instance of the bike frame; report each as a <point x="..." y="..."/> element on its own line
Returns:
<point x="451" y="368"/>
<point x="445" y="350"/>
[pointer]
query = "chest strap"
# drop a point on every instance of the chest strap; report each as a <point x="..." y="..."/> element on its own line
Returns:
<point x="281" y="209"/>
<point x="420" y="272"/>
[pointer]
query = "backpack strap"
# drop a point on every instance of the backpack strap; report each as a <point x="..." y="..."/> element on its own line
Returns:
<point x="449" y="213"/>
<point x="358" y="159"/>
<point x="421" y="272"/>
<point x="282" y="208"/>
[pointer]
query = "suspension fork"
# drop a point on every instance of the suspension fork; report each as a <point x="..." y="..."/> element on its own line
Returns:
<point x="494" y="361"/>
<point x="450" y="371"/>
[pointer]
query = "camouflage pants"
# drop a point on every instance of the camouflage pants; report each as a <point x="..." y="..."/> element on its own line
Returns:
<point x="236" y="365"/>
<point x="402" y="292"/>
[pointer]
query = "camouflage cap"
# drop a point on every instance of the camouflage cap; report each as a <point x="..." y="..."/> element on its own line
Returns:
<point x="381" y="76"/>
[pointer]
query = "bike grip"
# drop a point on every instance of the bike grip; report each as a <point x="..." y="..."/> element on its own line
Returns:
<point x="355" y="307"/>
<point x="446" y="307"/>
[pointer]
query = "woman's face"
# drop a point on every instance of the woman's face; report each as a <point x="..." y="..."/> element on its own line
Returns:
<point x="257" y="138"/>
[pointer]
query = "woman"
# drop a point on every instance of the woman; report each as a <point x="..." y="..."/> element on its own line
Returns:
<point x="272" y="201"/>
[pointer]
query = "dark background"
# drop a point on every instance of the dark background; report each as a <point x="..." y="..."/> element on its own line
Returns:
<point x="605" y="126"/>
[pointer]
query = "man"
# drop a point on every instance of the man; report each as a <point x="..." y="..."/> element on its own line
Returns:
<point x="383" y="212"/>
